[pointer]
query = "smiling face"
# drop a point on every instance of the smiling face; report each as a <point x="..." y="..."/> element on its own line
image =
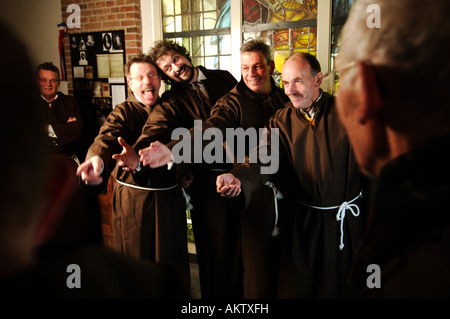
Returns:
<point x="48" y="84"/>
<point x="176" y="66"/>
<point x="299" y="84"/>
<point x="145" y="82"/>
<point x="256" y="71"/>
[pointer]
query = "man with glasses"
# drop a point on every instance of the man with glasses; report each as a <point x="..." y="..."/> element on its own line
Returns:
<point x="149" y="219"/>
<point x="323" y="219"/>
<point x="33" y="200"/>
<point x="393" y="101"/>
<point x="249" y="105"/>
<point x="65" y="131"/>
<point x="64" y="118"/>
<point x="193" y="92"/>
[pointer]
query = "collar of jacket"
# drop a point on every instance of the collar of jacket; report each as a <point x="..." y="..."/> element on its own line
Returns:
<point x="319" y="104"/>
<point x="178" y="85"/>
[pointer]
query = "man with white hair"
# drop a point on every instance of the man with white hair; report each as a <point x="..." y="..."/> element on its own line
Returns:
<point x="393" y="102"/>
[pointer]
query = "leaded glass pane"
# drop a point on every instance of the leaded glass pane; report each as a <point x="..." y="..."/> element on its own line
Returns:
<point x="210" y="20"/>
<point x="168" y="7"/>
<point x="186" y="42"/>
<point x="197" y="46"/>
<point x="196" y="22"/>
<point x="225" y="44"/>
<point x="225" y="62"/>
<point x="211" y="47"/>
<point x="185" y="7"/>
<point x="185" y="23"/>
<point x="210" y="5"/>
<point x="177" y="7"/>
<point x="341" y="9"/>
<point x="198" y="61"/>
<point x="270" y="11"/>
<point x="169" y="24"/>
<point x="287" y="26"/>
<point x="196" y="6"/>
<point x="210" y="62"/>
<point x="200" y="18"/>
<point x="179" y="23"/>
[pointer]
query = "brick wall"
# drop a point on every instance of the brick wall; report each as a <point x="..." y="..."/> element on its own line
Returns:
<point x="96" y="16"/>
<point x="105" y="15"/>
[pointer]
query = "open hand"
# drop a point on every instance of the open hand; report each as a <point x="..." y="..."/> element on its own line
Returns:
<point x="228" y="186"/>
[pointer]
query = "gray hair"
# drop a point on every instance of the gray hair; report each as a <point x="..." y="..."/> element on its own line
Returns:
<point x="258" y="45"/>
<point x="412" y="38"/>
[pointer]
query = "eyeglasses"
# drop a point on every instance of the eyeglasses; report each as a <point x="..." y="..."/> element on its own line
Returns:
<point x="50" y="81"/>
<point x="141" y="77"/>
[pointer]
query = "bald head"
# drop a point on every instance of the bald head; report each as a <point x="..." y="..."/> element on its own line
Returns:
<point x="301" y="78"/>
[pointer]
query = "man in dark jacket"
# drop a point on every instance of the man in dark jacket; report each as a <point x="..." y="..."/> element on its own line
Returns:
<point x="64" y="119"/>
<point x="394" y="104"/>
<point x="64" y="126"/>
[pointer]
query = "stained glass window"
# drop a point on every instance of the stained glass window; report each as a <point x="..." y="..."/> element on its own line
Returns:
<point x="340" y="11"/>
<point x="287" y="26"/>
<point x="203" y="27"/>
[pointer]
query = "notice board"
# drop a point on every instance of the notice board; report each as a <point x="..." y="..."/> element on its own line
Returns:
<point x="98" y="60"/>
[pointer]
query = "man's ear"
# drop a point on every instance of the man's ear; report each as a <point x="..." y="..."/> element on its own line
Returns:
<point x="318" y="79"/>
<point x="371" y="102"/>
<point x="271" y="67"/>
<point x="59" y="189"/>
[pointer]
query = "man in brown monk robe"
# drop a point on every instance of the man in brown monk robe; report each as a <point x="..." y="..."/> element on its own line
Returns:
<point x="33" y="199"/>
<point x="319" y="177"/>
<point x="149" y="219"/>
<point x="247" y="106"/>
<point x="193" y="92"/>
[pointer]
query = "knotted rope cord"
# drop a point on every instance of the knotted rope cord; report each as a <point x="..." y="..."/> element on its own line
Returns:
<point x="276" y="195"/>
<point x="340" y="216"/>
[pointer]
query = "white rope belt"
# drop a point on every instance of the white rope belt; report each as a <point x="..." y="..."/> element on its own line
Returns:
<point x="276" y="195"/>
<point x="146" y="188"/>
<point x="75" y="158"/>
<point x="340" y="216"/>
<point x="185" y="195"/>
